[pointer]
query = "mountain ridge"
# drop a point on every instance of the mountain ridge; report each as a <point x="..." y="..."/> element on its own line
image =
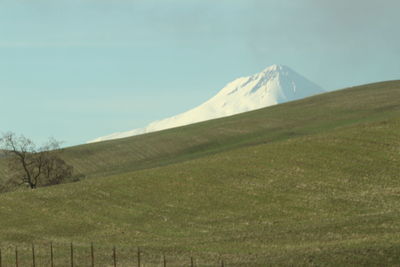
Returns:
<point x="274" y="85"/>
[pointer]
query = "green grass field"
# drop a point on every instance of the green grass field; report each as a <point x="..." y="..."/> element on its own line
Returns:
<point x="311" y="182"/>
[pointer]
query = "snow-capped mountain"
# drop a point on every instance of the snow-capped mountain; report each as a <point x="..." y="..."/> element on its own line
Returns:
<point x="274" y="85"/>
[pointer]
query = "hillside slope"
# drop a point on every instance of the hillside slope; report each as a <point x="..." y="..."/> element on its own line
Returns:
<point x="319" y="113"/>
<point x="313" y="182"/>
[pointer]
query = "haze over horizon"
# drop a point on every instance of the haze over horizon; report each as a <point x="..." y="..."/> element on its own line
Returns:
<point x="80" y="69"/>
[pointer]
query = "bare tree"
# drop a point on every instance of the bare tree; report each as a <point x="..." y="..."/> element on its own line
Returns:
<point x="34" y="166"/>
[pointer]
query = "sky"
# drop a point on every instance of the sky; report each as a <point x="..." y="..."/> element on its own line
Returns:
<point x="79" y="69"/>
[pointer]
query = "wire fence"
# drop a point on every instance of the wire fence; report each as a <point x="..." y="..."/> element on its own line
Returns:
<point x="69" y="255"/>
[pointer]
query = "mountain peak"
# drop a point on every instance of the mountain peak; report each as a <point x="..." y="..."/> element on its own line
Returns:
<point x="274" y="85"/>
<point x="274" y="72"/>
<point x="276" y="68"/>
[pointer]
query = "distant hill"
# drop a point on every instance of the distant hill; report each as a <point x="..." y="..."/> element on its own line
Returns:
<point x="274" y="85"/>
<point x="309" y="182"/>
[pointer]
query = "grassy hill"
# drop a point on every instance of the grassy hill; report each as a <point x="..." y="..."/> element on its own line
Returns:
<point x="314" y="181"/>
<point x="312" y="115"/>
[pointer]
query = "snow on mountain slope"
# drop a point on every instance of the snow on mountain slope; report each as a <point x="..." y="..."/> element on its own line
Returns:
<point x="274" y="85"/>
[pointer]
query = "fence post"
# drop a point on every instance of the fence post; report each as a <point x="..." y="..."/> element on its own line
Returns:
<point x="51" y="255"/>
<point x="92" y="253"/>
<point x="16" y="256"/>
<point x="164" y="261"/>
<point x="222" y="263"/>
<point x="138" y="255"/>
<point x="191" y="262"/>
<point x="115" y="257"/>
<point x="72" y="255"/>
<point x="33" y="256"/>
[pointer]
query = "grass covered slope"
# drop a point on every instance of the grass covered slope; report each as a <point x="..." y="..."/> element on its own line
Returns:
<point x="324" y="191"/>
<point x="312" y="115"/>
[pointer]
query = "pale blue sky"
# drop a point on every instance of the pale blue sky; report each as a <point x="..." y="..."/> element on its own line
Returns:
<point x="80" y="69"/>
